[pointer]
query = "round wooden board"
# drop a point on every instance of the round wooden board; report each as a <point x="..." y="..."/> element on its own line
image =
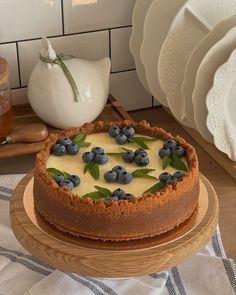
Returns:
<point x="111" y="259"/>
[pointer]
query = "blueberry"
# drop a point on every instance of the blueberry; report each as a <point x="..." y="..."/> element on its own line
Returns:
<point x="128" y="157"/>
<point x="164" y="152"/>
<point x="178" y="151"/>
<point x="97" y="150"/>
<point x="125" y="177"/>
<point x="128" y="197"/>
<point x="121" y="139"/>
<point x="67" y="183"/>
<point x="88" y="157"/>
<point x="58" y="149"/>
<point x="58" y="178"/>
<point x="111" y="198"/>
<point x="75" y="179"/>
<point x="114" y="131"/>
<point x="169" y="144"/>
<point x="142" y="160"/>
<point x="65" y="141"/>
<point x="110" y="176"/>
<point x="170" y="181"/>
<point x="178" y="175"/>
<point x="72" y="149"/>
<point x="163" y="177"/>
<point x="128" y="131"/>
<point x="101" y="158"/>
<point x="118" y="169"/>
<point x="119" y="193"/>
<point x="140" y="152"/>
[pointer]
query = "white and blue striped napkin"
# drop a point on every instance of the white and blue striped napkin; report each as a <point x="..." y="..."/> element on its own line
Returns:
<point x="209" y="272"/>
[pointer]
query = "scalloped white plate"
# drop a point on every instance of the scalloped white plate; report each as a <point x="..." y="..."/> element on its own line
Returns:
<point x="158" y="20"/>
<point x="195" y="59"/>
<point x="221" y="105"/>
<point x="191" y="25"/>
<point x="139" y="13"/>
<point x="214" y="58"/>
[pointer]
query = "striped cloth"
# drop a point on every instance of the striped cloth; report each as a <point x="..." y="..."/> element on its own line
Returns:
<point x="209" y="272"/>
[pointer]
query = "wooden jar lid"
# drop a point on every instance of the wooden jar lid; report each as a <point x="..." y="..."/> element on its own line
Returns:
<point x="4" y="71"/>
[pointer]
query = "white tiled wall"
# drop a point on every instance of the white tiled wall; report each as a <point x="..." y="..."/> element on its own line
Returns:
<point x="88" y="29"/>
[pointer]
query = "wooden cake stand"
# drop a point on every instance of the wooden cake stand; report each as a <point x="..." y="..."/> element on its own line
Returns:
<point x="111" y="259"/>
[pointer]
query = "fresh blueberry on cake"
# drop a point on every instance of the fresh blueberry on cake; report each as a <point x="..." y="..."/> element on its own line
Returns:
<point x="59" y="149"/>
<point x="72" y="149"/>
<point x="121" y="139"/>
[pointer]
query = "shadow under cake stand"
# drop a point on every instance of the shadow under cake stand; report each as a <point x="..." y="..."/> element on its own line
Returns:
<point x="111" y="259"/>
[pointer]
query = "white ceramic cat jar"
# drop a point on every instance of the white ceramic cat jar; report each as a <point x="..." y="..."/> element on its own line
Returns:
<point x="68" y="92"/>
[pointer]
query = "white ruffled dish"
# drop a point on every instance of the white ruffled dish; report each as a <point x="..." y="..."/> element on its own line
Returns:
<point x="221" y="105"/>
<point x="195" y="59"/>
<point x="157" y="23"/>
<point x="139" y="13"/>
<point x="191" y="25"/>
<point x="214" y="58"/>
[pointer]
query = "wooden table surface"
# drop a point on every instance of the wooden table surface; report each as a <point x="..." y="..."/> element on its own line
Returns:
<point x="223" y="183"/>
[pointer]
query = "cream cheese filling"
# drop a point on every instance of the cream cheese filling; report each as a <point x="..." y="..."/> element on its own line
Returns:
<point x="75" y="165"/>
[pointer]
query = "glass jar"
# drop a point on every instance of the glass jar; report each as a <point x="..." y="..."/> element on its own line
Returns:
<point x="6" y="114"/>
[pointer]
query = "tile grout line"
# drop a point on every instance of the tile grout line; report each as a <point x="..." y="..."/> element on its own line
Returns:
<point x="18" y="63"/>
<point x="109" y="41"/>
<point x="65" y="35"/>
<point x="62" y="18"/>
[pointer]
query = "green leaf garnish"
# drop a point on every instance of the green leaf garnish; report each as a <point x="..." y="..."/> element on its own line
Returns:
<point x="166" y="161"/>
<point x="143" y="170"/>
<point x="54" y="172"/>
<point x="177" y="163"/>
<point x="94" y="195"/>
<point x="104" y="191"/>
<point x="155" y="188"/>
<point x="139" y="142"/>
<point x="94" y="171"/>
<point x="65" y="174"/>
<point x="79" y="138"/>
<point x="84" y="144"/>
<point x="88" y="166"/>
<point x="126" y="150"/>
<point x="143" y="173"/>
<point x="143" y="138"/>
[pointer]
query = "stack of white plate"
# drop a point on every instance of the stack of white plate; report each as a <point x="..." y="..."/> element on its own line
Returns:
<point x="185" y="56"/>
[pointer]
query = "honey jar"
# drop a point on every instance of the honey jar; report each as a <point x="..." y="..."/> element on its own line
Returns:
<point x="6" y="114"/>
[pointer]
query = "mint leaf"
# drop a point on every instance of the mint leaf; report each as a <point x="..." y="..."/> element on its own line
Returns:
<point x="139" y="142"/>
<point x="104" y="191"/>
<point x="126" y="150"/>
<point x="79" y="138"/>
<point x="166" y="161"/>
<point x="93" y="195"/>
<point x="53" y="172"/>
<point x="177" y="163"/>
<point x="143" y="138"/>
<point x="94" y="171"/>
<point x="87" y="166"/>
<point x="65" y="174"/>
<point x="143" y="173"/>
<point x="155" y="188"/>
<point x="84" y="144"/>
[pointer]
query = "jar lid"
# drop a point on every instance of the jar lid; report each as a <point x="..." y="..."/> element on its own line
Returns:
<point x="4" y="71"/>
